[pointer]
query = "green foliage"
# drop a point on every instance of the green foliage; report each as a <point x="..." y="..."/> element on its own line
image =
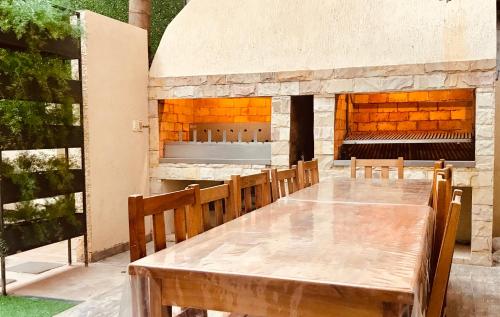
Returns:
<point x="162" y="13"/>
<point x="19" y="72"/>
<point x="35" y="21"/>
<point x="23" y="123"/>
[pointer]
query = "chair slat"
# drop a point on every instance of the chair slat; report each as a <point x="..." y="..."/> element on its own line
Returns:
<point x="207" y="216"/>
<point x="194" y="216"/>
<point x="159" y="235"/>
<point x="180" y="224"/>
<point x="219" y="220"/>
<point x="247" y="193"/>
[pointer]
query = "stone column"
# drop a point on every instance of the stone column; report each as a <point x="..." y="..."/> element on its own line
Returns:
<point x="155" y="184"/>
<point x="324" y="115"/>
<point x="280" y="131"/>
<point x="482" y="183"/>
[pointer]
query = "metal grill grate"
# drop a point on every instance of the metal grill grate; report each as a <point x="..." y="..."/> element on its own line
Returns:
<point x="396" y="137"/>
<point x="410" y="151"/>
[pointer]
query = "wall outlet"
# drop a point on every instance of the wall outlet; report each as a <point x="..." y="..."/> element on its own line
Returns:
<point x="137" y="126"/>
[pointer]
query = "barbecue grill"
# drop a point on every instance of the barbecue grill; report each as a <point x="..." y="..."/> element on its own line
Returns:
<point x="413" y="146"/>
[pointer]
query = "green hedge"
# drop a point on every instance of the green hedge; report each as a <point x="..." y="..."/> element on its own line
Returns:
<point x="163" y="11"/>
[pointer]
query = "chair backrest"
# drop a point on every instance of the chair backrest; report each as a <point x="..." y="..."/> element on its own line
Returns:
<point x="308" y="173"/>
<point x="187" y="218"/>
<point x="245" y="186"/>
<point x="217" y="204"/>
<point x="437" y="166"/>
<point x="384" y="165"/>
<point x="442" y="273"/>
<point x="284" y="182"/>
<point x="442" y="197"/>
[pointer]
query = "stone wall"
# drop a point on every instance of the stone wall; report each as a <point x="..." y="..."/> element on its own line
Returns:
<point x="325" y="85"/>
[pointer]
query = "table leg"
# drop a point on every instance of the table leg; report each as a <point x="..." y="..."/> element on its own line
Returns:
<point x="156" y="309"/>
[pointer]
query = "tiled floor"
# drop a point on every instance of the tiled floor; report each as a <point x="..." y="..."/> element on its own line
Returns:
<point x="474" y="291"/>
<point x="102" y="287"/>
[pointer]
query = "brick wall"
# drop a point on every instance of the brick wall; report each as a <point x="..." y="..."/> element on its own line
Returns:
<point x="178" y="114"/>
<point x="446" y="110"/>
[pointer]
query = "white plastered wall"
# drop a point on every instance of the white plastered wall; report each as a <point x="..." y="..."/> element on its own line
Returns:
<point x="255" y="36"/>
<point x="115" y="77"/>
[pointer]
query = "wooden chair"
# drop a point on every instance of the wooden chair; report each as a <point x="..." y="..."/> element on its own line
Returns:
<point x="243" y="186"/>
<point x="284" y="182"/>
<point x="187" y="218"/>
<point x="308" y="173"/>
<point x="436" y="306"/>
<point x="385" y="165"/>
<point x="188" y="223"/>
<point x="217" y="204"/>
<point x="442" y="197"/>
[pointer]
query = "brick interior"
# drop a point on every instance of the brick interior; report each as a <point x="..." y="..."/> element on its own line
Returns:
<point x="445" y="110"/>
<point x="178" y="114"/>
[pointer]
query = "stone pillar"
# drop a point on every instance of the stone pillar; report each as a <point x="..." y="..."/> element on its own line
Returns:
<point x="280" y="131"/>
<point x="324" y="115"/>
<point x="482" y="183"/>
<point x="155" y="184"/>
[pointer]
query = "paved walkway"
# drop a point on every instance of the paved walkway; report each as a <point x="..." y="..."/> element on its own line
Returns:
<point x="473" y="291"/>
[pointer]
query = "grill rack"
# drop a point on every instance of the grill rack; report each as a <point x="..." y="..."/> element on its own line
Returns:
<point x="408" y="137"/>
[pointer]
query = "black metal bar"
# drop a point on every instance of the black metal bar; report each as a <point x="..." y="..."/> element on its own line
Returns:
<point x="70" y="260"/>
<point x="2" y="257"/>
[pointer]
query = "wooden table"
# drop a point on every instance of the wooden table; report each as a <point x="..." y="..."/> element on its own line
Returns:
<point x="376" y="191"/>
<point x="300" y="258"/>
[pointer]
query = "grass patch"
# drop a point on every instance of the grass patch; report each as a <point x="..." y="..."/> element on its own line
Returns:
<point x="15" y="306"/>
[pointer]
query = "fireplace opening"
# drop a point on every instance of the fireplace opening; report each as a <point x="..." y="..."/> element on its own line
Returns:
<point x="421" y="126"/>
<point x="301" y="129"/>
<point x="216" y="130"/>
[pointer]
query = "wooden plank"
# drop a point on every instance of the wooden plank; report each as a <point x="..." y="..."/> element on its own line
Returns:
<point x="159" y="235"/>
<point x="247" y="197"/>
<point x="66" y="48"/>
<point x="194" y="217"/>
<point x="180" y="224"/>
<point x="301" y="174"/>
<point x="218" y="213"/>
<point x="353" y="167"/>
<point x="385" y="172"/>
<point x="33" y="92"/>
<point x="168" y="201"/>
<point x="275" y="185"/>
<point x="441" y="277"/>
<point x="315" y="300"/>
<point x="259" y="196"/>
<point x="65" y="137"/>
<point x="214" y="193"/>
<point x="236" y="191"/>
<point x="253" y="180"/>
<point x="11" y="193"/>
<point x="207" y="223"/>
<point x="137" y="229"/>
<point x="19" y="237"/>
<point x="368" y="172"/>
<point x="231" y="212"/>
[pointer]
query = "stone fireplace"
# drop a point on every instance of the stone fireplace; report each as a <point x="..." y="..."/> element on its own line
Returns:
<point x="397" y="90"/>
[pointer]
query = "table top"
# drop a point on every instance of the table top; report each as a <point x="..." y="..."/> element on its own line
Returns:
<point x="375" y="191"/>
<point x="379" y="249"/>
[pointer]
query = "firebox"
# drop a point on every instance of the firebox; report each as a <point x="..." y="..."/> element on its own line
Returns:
<point x="216" y="131"/>
<point x="422" y="126"/>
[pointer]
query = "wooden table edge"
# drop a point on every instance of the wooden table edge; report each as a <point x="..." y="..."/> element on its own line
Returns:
<point x="380" y="294"/>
